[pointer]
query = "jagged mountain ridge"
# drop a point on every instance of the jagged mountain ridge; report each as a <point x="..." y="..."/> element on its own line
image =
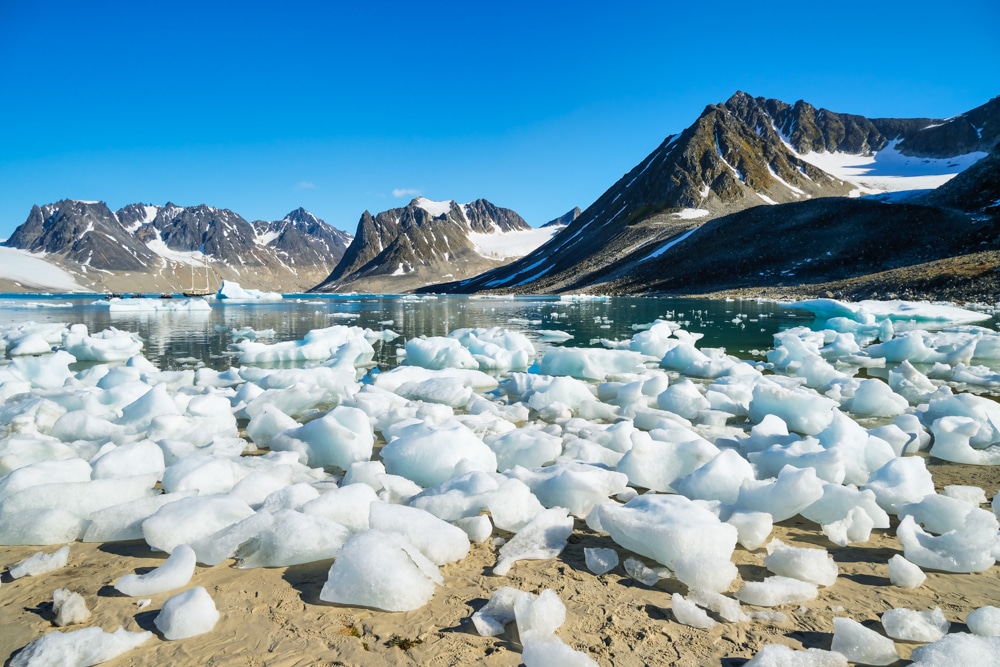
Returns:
<point x="424" y="242"/>
<point x="743" y="153"/>
<point x="161" y="243"/>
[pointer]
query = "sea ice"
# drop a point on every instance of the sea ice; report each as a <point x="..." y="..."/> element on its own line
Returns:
<point x="381" y="570"/>
<point x="901" y="480"/>
<point x="812" y="565"/>
<point x="187" y="520"/>
<point x="492" y="617"/>
<point x="727" y="608"/>
<point x="969" y="549"/>
<point x="641" y="572"/>
<point x="429" y="453"/>
<point x="573" y="485"/>
<point x="174" y="573"/>
<point x="590" y="363"/>
<point x="861" y="645"/>
<point x="337" y="439"/>
<point x="231" y="291"/>
<point x="187" y="614"/>
<point x="905" y="574"/>
<point x="705" y="573"/>
<point x="719" y="479"/>
<point x="783" y="497"/>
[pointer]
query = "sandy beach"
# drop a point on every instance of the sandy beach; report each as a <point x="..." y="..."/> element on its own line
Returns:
<point x="274" y="616"/>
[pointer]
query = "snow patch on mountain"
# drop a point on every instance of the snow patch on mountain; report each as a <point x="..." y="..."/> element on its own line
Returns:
<point x="435" y="208"/>
<point x="33" y="270"/>
<point x="504" y="245"/>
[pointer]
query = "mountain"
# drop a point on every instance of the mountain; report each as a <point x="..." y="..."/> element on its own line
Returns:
<point x="747" y="152"/>
<point x="564" y="219"/>
<point x="942" y="244"/>
<point x="153" y="248"/>
<point x="429" y="241"/>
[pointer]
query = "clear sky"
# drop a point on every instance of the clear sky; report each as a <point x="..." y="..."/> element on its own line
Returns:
<point x="345" y="106"/>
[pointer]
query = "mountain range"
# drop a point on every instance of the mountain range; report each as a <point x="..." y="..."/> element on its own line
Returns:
<point x="429" y="241"/>
<point x="756" y="193"/>
<point x="159" y="248"/>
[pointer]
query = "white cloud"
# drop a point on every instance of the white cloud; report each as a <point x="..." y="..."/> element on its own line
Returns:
<point x="405" y="192"/>
<point x="305" y="185"/>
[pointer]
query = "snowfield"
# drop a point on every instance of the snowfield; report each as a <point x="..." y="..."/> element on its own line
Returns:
<point x="33" y="270"/>
<point x="682" y="458"/>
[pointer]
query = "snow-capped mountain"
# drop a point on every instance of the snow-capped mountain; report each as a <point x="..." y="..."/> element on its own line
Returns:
<point x="158" y="245"/>
<point x="744" y="153"/>
<point x="430" y="241"/>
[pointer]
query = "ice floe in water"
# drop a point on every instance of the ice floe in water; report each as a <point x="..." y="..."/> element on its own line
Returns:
<point x="660" y="447"/>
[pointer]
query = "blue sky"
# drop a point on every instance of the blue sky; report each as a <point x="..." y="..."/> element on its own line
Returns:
<point x="539" y="107"/>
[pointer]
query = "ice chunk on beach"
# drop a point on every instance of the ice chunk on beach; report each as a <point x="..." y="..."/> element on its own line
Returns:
<point x="175" y="572"/>
<point x="984" y="411"/>
<point x="187" y="614"/>
<point x="40" y="563"/>
<point x="984" y="621"/>
<point x="776" y="590"/>
<point x="552" y="651"/>
<point x="813" y="565"/>
<point x="803" y="411"/>
<point x="429" y="453"/>
<point x="543" y="537"/>
<point x="665" y="528"/>
<point x="187" y="520"/>
<point x="874" y="398"/>
<point x="570" y="484"/>
<point x="783" y="497"/>
<point x="952" y="442"/>
<point x="124" y="521"/>
<point x="538" y="617"/>
<point x="88" y="646"/>
<point x="497" y="349"/>
<point x="752" y="528"/>
<point x="779" y="655"/>
<point x="292" y="538"/>
<point x="639" y="571"/>
<point x="689" y="613"/>
<point x="492" y="617"/>
<point x="973" y="495"/>
<point x="901" y="480"/>
<point x="40" y="527"/>
<point x="655" y="463"/>
<point x="705" y="573"/>
<point x="509" y="501"/>
<point x="905" y="574"/>
<point x="337" y="439"/>
<point x="915" y="626"/>
<point x="600" y="560"/>
<point x="440" y="541"/>
<point x="337" y="345"/>
<point x="967" y="550"/>
<point x="839" y="501"/>
<point x="939" y="514"/>
<point x="381" y="570"/>
<point x="855" y="528"/>
<point x="69" y="607"/>
<point x="958" y="648"/>
<point x="526" y="447"/>
<point x="727" y="608"/>
<point x="719" y="479"/>
<point x="861" y="645"/>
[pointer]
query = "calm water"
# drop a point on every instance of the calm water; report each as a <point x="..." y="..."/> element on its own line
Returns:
<point x="180" y="339"/>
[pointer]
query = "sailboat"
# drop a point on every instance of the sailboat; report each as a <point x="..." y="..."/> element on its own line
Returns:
<point x="196" y="291"/>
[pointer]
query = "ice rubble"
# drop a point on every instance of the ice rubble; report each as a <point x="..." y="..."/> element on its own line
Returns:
<point x="677" y="453"/>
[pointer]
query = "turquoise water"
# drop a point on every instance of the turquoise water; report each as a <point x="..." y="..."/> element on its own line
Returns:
<point x="182" y="339"/>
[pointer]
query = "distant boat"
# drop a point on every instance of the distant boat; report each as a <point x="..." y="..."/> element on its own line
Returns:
<point x="197" y="291"/>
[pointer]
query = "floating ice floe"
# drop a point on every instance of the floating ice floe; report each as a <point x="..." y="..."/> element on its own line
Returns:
<point x="232" y="292"/>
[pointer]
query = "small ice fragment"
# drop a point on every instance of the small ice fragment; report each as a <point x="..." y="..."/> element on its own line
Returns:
<point x="187" y="614"/>
<point x="640" y="572"/>
<point x="775" y="591"/>
<point x="689" y="613"/>
<point x="861" y="645"/>
<point x="174" y="573"/>
<point x="600" y="560"/>
<point x="69" y="607"/>
<point x="905" y="574"/>
<point x="812" y="565"/>
<point x="706" y="573"/>
<point x="498" y="612"/>
<point x="543" y="537"/>
<point x="40" y="563"/>
<point x="727" y="608"/>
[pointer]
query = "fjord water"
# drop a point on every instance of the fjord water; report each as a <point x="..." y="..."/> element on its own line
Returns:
<point x="185" y="338"/>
